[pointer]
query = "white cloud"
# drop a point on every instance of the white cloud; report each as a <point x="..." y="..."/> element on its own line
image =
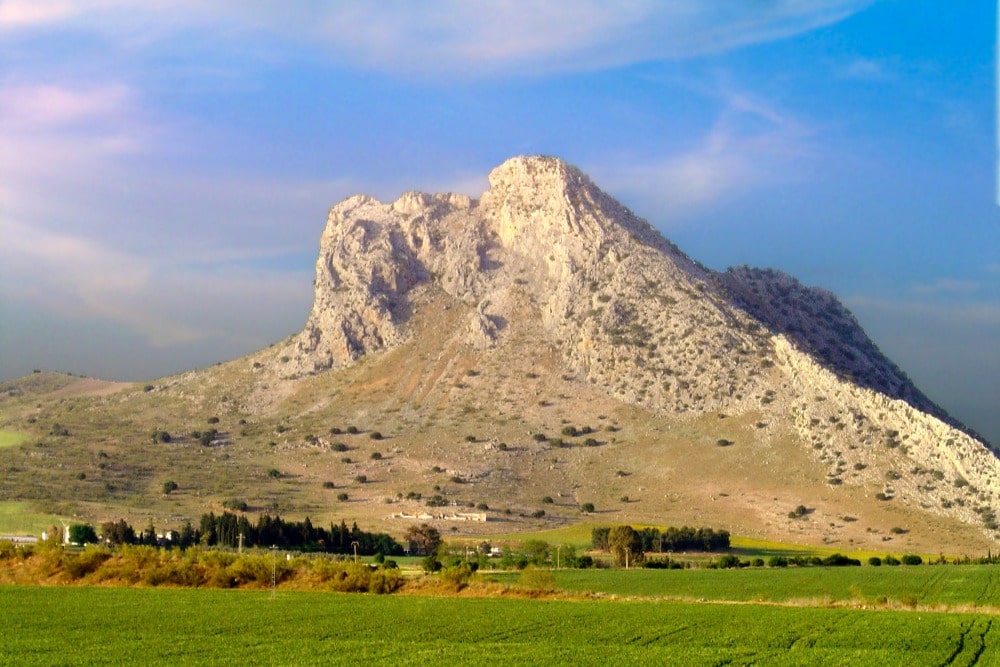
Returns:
<point x="468" y="38"/>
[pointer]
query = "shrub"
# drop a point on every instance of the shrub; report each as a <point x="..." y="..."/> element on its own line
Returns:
<point x="722" y="442"/>
<point x="591" y="442"/>
<point x="538" y="514"/>
<point x="430" y="563"/>
<point x="875" y="561"/>
<point x="329" y="485"/>
<point x="169" y="487"/>
<point x="912" y="559"/>
<point x="375" y="435"/>
<point x="353" y="430"/>
<point x="213" y="420"/>
<point x="376" y="456"/>
<point x="777" y="561"/>
<point x="890" y="560"/>
<point x="338" y="447"/>
<point x="361" y="479"/>
<point x="547" y="500"/>
<point x="274" y="473"/>
<point x="587" y="508"/>
<point x="540" y="437"/>
<point x="342" y="496"/>
<point x="536" y="579"/>
<point x="456" y="576"/>
<point x="482" y="507"/>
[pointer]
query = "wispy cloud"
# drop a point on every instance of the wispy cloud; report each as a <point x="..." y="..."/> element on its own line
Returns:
<point x="866" y="69"/>
<point x="751" y="143"/>
<point x="947" y="286"/>
<point x="457" y="37"/>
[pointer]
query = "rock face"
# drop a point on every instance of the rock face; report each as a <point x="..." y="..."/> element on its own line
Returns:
<point x="630" y="313"/>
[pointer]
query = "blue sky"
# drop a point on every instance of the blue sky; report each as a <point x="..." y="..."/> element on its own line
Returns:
<point x="166" y="167"/>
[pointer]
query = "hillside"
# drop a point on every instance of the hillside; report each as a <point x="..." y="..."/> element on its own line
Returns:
<point x="539" y="343"/>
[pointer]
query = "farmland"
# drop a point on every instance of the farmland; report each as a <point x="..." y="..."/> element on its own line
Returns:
<point x="72" y="625"/>
<point x="953" y="586"/>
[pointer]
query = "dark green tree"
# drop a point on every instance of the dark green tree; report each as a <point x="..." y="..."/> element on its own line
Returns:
<point x="625" y="545"/>
<point x="82" y="533"/>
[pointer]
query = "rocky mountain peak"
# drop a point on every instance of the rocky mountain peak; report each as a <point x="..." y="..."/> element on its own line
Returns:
<point x="627" y="312"/>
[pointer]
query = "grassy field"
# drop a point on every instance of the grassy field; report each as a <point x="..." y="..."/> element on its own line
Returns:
<point x="130" y="626"/>
<point x="953" y="585"/>
<point x="17" y="518"/>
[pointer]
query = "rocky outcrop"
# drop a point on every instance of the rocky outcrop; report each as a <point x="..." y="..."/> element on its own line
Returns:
<point x="632" y="314"/>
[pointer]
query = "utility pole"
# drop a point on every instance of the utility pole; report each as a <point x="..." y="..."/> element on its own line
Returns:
<point x="355" y="545"/>
<point x="558" y="550"/>
<point x="239" y="549"/>
<point x="274" y="578"/>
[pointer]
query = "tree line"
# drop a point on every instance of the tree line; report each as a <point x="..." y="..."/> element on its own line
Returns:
<point x="225" y="529"/>
<point x="670" y="539"/>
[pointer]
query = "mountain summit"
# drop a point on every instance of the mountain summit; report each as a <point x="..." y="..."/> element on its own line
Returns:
<point x="632" y="315"/>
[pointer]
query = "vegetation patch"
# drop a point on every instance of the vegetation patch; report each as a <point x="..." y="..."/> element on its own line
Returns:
<point x="12" y="438"/>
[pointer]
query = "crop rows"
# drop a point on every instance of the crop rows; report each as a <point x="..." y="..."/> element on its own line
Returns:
<point x="72" y="625"/>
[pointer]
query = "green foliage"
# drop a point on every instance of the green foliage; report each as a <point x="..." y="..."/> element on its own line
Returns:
<point x="625" y="545"/>
<point x="82" y="533"/>
<point x="587" y="508"/>
<point x="911" y="559"/>
<point x="169" y="487"/>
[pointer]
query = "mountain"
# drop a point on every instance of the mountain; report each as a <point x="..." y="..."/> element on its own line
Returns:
<point x="541" y="342"/>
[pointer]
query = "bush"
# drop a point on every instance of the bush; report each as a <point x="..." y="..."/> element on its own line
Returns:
<point x="890" y="560"/>
<point x="338" y="447"/>
<point x="547" y="500"/>
<point x="342" y="496"/>
<point x="536" y="579"/>
<point x="457" y="576"/>
<point x="376" y="456"/>
<point x="777" y="561"/>
<point x="169" y="487"/>
<point x="353" y="430"/>
<point x="587" y="508"/>
<point x="912" y="559"/>
<point x="213" y="420"/>
<point x="875" y="561"/>
<point x="538" y="514"/>
<point x="361" y="479"/>
<point x="274" y="473"/>
<point x="430" y="563"/>
<point x="329" y="485"/>
<point x="375" y="435"/>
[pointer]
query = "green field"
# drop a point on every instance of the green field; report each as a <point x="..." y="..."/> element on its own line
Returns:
<point x="925" y="585"/>
<point x="72" y="625"/>
<point x="17" y="518"/>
